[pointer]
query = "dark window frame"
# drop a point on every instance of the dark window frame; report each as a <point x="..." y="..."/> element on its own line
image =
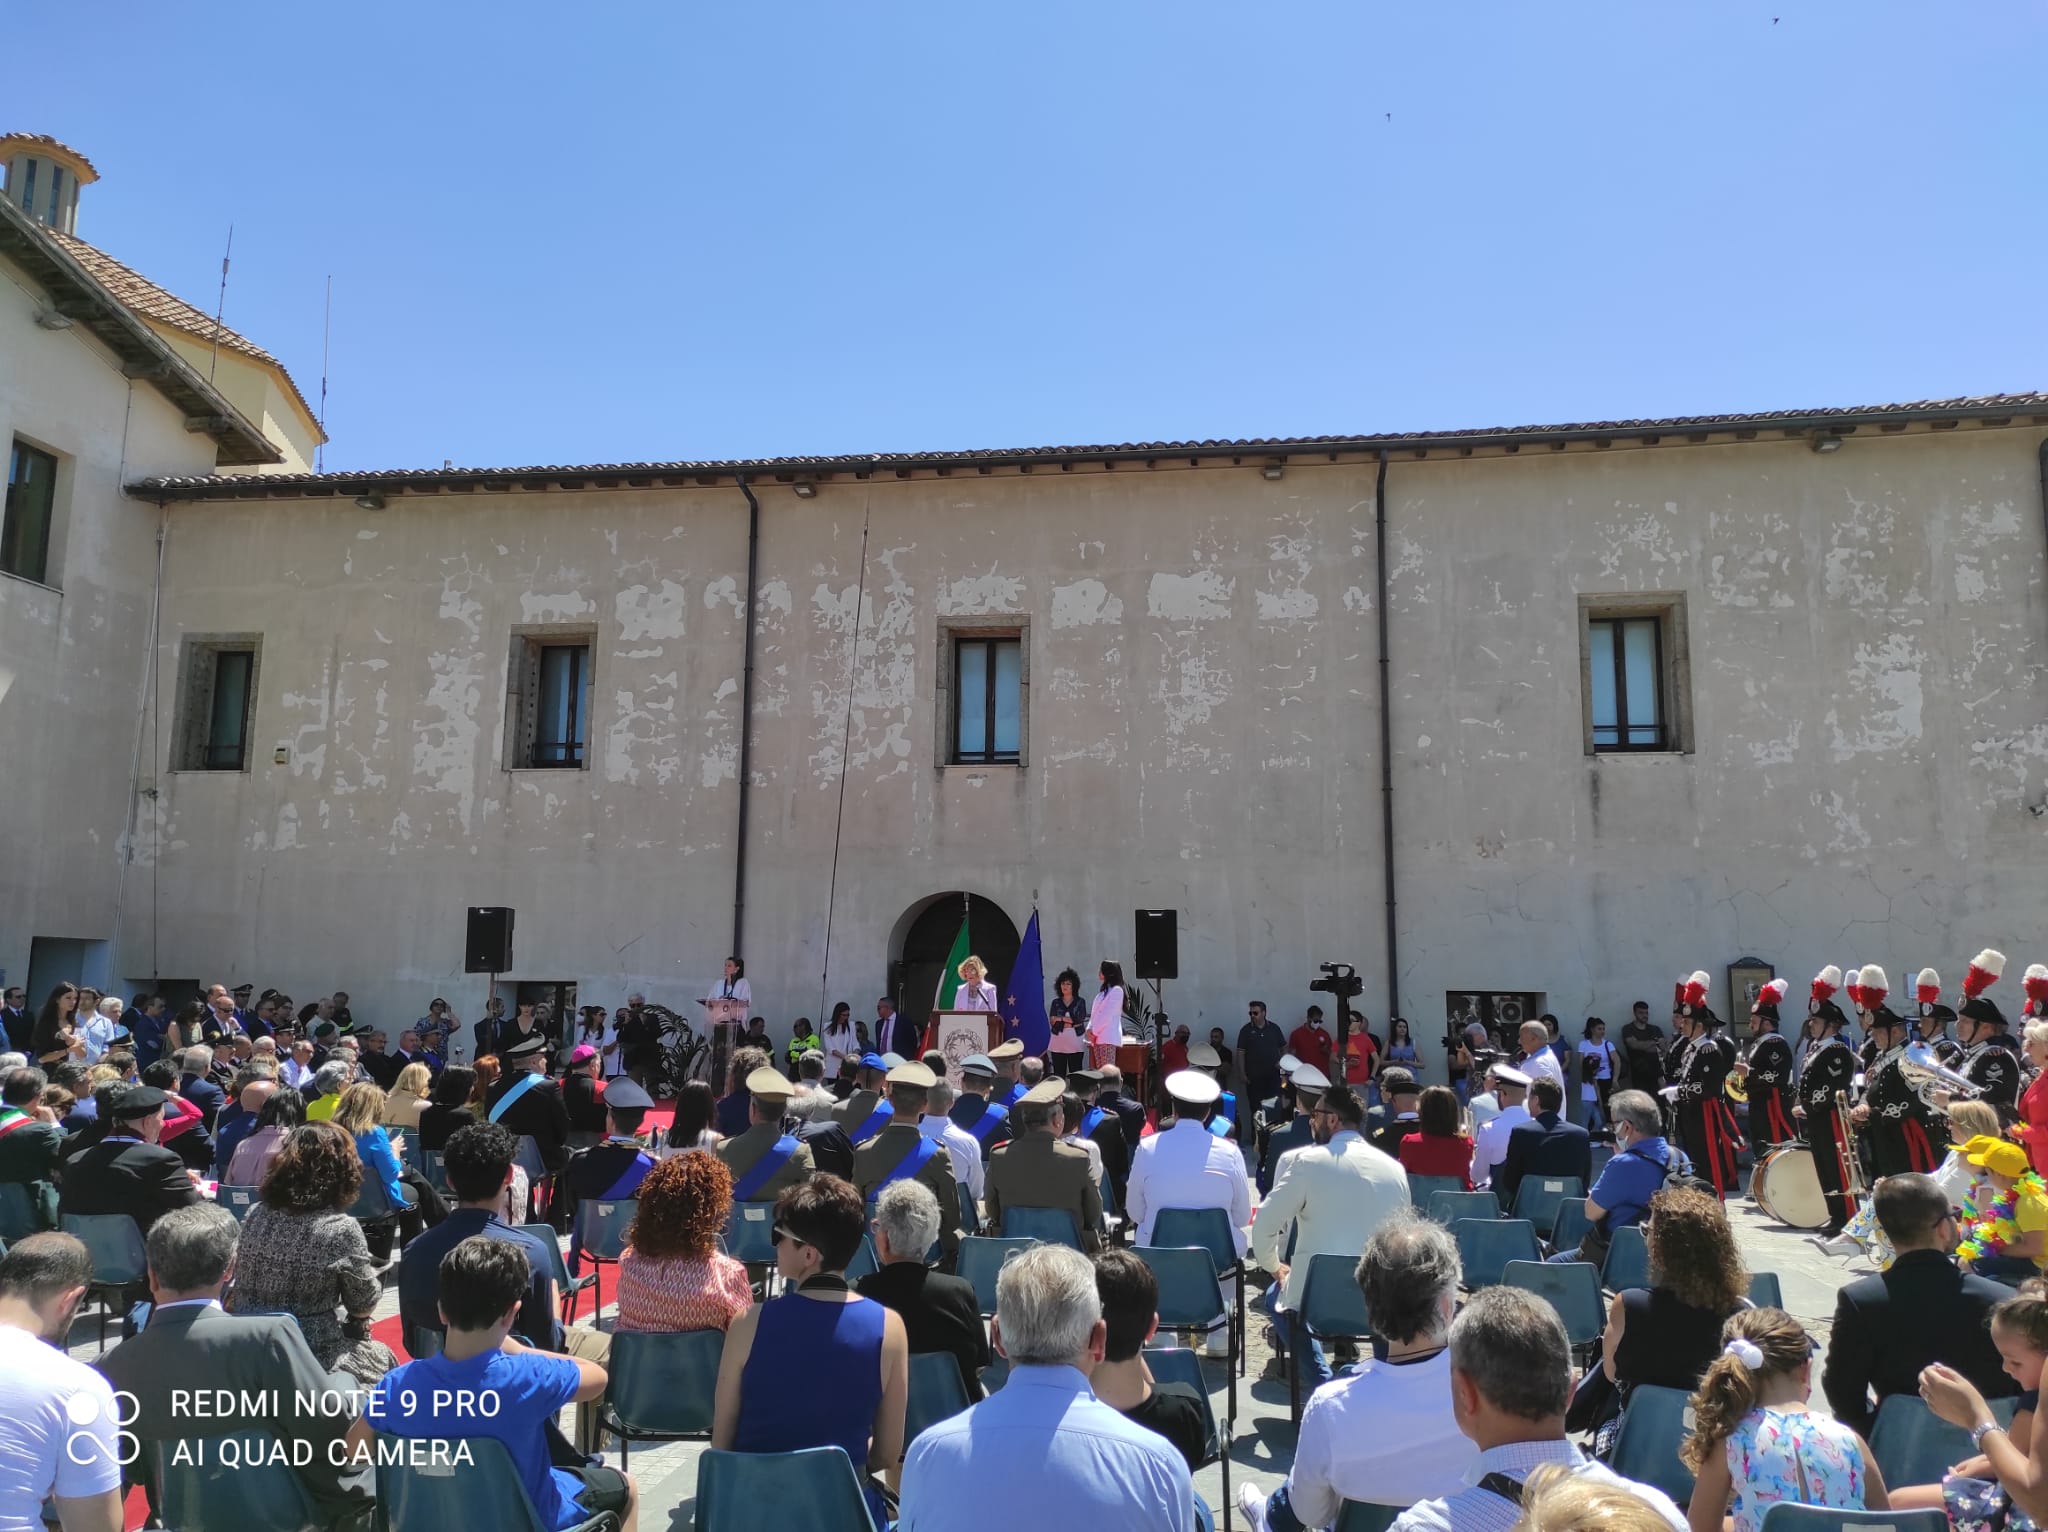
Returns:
<point x="1617" y="627"/>
<point x="567" y="754"/>
<point x="525" y="747"/>
<point x="199" y="701"/>
<point x="37" y="570"/>
<point x="988" y="755"/>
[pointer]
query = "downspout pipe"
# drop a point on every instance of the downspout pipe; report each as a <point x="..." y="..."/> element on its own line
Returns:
<point x="2044" y="484"/>
<point x="739" y="850"/>
<point x="1379" y="526"/>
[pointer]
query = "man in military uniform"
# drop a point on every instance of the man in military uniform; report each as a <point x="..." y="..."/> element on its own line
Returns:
<point x="1706" y="1127"/>
<point x="1309" y="1085"/>
<point x="900" y="1152"/>
<point x="1906" y="1134"/>
<point x="527" y="1104"/>
<point x="612" y="1170"/>
<point x="974" y="1112"/>
<point x="1008" y="1059"/>
<point x="1129" y="1110"/>
<point x="1035" y="1170"/>
<point x="1101" y="1126"/>
<point x="1990" y="1057"/>
<point x="1768" y="1071"/>
<point x="1206" y="1060"/>
<point x="865" y="1113"/>
<point x="764" y="1160"/>
<point x="1829" y="1071"/>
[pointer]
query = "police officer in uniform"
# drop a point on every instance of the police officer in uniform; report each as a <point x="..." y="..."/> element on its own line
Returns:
<point x="900" y="1152"/>
<point x="1768" y="1071"/>
<point x="1991" y="1055"/>
<point x="1008" y="1057"/>
<point x="865" y="1113"/>
<point x="764" y="1160"/>
<point x="1103" y="1128"/>
<point x="1706" y="1127"/>
<point x="1309" y="1085"/>
<point x="1829" y="1071"/>
<point x="612" y="1170"/>
<point x="1906" y="1134"/>
<point x="526" y="1103"/>
<point x="1035" y="1170"/>
<point x="973" y="1111"/>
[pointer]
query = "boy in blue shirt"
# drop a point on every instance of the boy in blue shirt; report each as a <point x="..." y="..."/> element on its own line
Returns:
<point x="511" y="1391"/>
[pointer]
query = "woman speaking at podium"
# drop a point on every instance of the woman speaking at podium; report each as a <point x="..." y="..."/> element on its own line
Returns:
<point x="733" y="987"/>
<point x="975" y="992"/>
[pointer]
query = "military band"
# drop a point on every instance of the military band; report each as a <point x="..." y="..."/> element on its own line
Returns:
<point x="1706" y="1125"/>
<point x="1827" y="1076"/>
<point x="1767" y="1071"/>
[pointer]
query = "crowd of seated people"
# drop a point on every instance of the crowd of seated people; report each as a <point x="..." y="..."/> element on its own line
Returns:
<point x="1457" y="1419"/>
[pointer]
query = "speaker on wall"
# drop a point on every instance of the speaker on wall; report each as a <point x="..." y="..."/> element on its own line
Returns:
<point x="488" y="946"/>
<point x="1158" y="945"/>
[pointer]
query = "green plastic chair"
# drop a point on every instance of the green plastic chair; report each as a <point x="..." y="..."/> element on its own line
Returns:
<point x="1486" y="1245"/>
<point x="1333" y="1308"/>
<point x="1654" y="1425"/>
<point x="601" y="1236"/>
<point x="1628" y="1261"/>
<point x="937" y="1392"/>
<point x="815" y="1489"/>
<point x="427" y="1494"/>
<point x="1572" y="1288"/>
<point x="661" y="1386"/>
<point x="1538" y="1199"/>
<point x="201" y="1482"/>
<point x="981" y="1258"/>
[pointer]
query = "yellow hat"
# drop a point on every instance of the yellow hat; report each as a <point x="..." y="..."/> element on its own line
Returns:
<point x="769" y="1085"/>
<point x="1013" y="1049"/>
<point x="1045" y="1093"/>
<point x="1997" y="1155"/>
<point x="912" y="1074"/>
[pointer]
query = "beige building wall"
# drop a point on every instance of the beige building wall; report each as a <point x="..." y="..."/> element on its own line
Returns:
<point x="255" y="390"/>
<point x="74" y="653"/>
<point x="1868" y="714"/>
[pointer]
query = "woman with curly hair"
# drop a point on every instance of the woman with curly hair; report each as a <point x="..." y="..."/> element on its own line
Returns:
<point x="302" y="1255"/>
<point x="672" y="1275"/>
<point x="1669" y="1332"/>
<point x="1067" y="1048"/>
<point x="1756" y="1444"/>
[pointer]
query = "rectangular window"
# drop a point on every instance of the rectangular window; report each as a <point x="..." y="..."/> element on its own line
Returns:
<point x="56" y="192"/>
<point x="1627" y="670"/>
<point x="31" y="503"/>
<point x="216" y="703"/>
<point x="28" y="187"/>
<point x="548" y="710"/>
<point x="1633" y="650"/>
<point x="988" y="692"/>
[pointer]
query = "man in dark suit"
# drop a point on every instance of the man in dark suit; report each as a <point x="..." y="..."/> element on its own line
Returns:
<point x="18" y="1019"/>
<point x="196" y="1085"/>
<point x="274" y="1382"/>
<point x="380" y="1066"/>
<point x="128" y="1171"/>
<point x="1546" y="1145"/>
<point x="1923" y="1309"/>
<point x="489" y="1027"/>
<point x="1129" y="1110"/>
<point x="31" y="1143"/>
<point x="939" y="1312"/>
<point x="528" y="1103"/>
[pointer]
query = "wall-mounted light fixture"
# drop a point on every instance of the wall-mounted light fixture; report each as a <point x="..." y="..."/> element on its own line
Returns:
<point x="1274" y="468"/>
<point x="50" y="319"/>
<point x="1827" y="442"/>
<point x="370" y="502"/>
<point x="805" y="489"/>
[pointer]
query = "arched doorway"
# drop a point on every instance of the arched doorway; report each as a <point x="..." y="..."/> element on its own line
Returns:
<point x="924" y="935"/>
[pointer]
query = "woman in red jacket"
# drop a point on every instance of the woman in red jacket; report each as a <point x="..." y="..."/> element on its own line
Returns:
<point x="1439" y="1149"/>
<point x="2033" y="1128"/>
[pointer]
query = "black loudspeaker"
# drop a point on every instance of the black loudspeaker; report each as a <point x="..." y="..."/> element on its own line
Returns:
<point x="488" y="947"/>
<point x="1158" y="945"/>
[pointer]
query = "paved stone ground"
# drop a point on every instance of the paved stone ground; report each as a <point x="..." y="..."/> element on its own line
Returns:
<point x="1263" y="1442"/>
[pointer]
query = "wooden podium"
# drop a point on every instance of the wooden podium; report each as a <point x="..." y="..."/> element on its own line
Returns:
<point x="725" y="1019"/>
<point x="1135" y="1060"/>
<point x="957" y="1034"/>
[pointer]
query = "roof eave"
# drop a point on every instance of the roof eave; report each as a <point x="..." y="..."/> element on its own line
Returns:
<point x="78" y="296"/>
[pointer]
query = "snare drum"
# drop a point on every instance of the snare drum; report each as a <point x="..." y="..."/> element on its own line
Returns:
<point x="1786" y="1186"/>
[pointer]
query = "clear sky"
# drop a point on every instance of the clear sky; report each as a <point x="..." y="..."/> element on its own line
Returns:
<point x="630" y="230"/>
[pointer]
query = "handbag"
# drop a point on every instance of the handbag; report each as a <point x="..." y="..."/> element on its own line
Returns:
<point x="1982" y="1505"/>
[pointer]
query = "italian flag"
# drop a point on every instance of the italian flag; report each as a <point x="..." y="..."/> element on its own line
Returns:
<point x="949" y="980"/>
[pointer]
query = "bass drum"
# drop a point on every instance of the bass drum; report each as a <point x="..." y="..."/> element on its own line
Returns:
<point x="1786" y="1186"/>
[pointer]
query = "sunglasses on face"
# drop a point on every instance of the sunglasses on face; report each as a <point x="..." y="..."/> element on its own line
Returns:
<point x="781" y="1234"/>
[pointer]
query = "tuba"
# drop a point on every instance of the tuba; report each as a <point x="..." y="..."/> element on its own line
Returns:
<point x="1925" y="1072"/>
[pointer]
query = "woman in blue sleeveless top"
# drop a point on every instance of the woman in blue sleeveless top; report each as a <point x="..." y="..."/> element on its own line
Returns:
<point x="820" y="1366"/>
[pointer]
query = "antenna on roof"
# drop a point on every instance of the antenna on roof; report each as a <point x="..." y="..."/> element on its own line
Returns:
<point x="221" y="307"/>
<point x="326" y="331"/>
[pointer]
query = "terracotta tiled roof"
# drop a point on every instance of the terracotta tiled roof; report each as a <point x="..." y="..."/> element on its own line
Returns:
<point x="141" y="296"/>
<point x="1989" y="409"/>
<point x="47" y="142"/>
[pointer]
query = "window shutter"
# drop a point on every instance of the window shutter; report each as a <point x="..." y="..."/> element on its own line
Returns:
<point x="529" y="699"/>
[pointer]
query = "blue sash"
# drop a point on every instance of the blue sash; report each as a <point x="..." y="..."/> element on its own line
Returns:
<point x="763" y="1170"/>
<point x="878" y="1119"/>
<point x="991" y="1118"/>
<point x="512" y="1095"/>
<point x="909" y="1165"/>
<point x="1011" y="1096"/>
<point x="1226" y="1115"/>
<point x="1092" y="1120"/>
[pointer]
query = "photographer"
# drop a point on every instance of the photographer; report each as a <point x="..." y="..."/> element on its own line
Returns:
<point x="1467" y="1052"/>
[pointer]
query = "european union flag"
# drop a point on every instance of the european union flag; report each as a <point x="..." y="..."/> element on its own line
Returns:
<point x="1024" y="996"/>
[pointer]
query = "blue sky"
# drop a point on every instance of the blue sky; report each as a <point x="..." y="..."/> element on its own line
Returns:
<point x="632" y="230"/>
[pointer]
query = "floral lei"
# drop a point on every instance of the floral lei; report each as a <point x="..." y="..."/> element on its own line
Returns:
<point x="1994" y="1227"/>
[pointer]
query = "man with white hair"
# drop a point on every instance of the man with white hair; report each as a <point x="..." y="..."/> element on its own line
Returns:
<point x="1490" y="1148"/>
<point x="1539" y="1059"/>
<point x="1046" y="1432"/>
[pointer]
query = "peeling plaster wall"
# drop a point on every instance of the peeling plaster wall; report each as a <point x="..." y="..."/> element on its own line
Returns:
<point x="73" y="655"/>
<point x="1866" y="632"/>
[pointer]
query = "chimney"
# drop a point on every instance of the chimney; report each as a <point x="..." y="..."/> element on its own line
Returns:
<point x="43" y="177"/>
